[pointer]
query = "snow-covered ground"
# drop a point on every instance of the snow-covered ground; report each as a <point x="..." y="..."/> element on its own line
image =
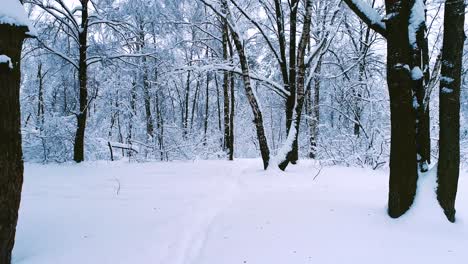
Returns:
<point x="219" y="212"/>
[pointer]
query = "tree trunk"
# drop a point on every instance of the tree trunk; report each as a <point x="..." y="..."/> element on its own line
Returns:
<point x="358" y="93"/>
<point x="232" y="105"/>
<point x="315" y="113"/>
<point x="420" y="77"/>
<point x="282" y="43"/>
<point x="40" y="97"/>
<point x="146" y="87"/>
<point x="291" y="100"/>
<point x="226" y="143"/>
<point x="218" y="105"/>
<point x="403" y="85"/>
<point x="449" y="115"/>
<point x="291" y="156"/>
<point x="195" y="103"/>
<point x="207" y="101"/>
<point x="11" y="158"/>
<point x="403" y="165"/>
<point x="147" y="99"/>
<point x="231" y="118"/>
<point x="424" y="129"/>
<point x="159" y="119"/>
<point x="133" y="113"/>
<point x="185" y="113"/>
<point x="78" y="150"/>
<point x="258" y="117"/>
<point x="160" y="127"/>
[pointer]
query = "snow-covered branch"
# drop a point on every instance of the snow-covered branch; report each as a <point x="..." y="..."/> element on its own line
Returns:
<point x="276" y="87"/>
<point x="368" y="15"/>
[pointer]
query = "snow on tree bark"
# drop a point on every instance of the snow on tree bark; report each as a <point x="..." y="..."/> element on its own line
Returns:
<point x="449" y="115"/>
<point x="13" y="32"/>
<point x="403" y="166"/>
<point x="420" y="76"/>
<point x="400" y="31"/>
<point x="258" y="117"/>
<point x="288" y="153"/>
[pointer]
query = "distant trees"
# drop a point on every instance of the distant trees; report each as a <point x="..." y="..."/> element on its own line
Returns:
<point x="178" y="79"/>
<point x="74" y="23"/>
<point x="132" y="99"/>
<point x="11" y="156"/>
<point x="70" y="42"/>
<point x="291" y="56"/>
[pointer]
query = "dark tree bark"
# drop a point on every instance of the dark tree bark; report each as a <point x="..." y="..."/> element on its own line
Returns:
<point x="420" y="63"/>
<point x="11" y="157"/>
<point x="226" y="143"/>
<point x="147" y="99"/>
<point x="289" y="76"/>
<point x="291" y="99"/>
<point x="40" y="97"/>
<point x="449" y="116"/>
<point x="133" y="98"/>
<point x="299" y="87"/>
<point x="403" y="165"/>
<point x="195" y="102"/>
<point x="78" y="151"/>
<point x="218" y="106"/>
<point x="160" y="127"/>
<point x="185" y="113"/>
<point x="424" y="129"/>
<point x="282" y="43"/>
<point x="403" y="149"/>
<point x="231" y="105"/>
<point x="207" y="101"/>
<point x="146" y="86"/>
<point x="231" y="117"/>
<point x="424" y="139"/>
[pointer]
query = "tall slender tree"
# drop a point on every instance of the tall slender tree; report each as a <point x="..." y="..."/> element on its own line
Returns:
<point x="78" y="151"/>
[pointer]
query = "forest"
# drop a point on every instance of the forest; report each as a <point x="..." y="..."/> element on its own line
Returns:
<point x="249" y="102"/>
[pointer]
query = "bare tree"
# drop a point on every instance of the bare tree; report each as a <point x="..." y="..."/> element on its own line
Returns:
<point x="75" y="24"/>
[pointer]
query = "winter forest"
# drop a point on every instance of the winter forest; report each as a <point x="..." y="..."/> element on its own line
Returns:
<point x="233" y="131"/>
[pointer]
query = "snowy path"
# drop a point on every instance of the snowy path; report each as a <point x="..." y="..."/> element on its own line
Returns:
<point x="218" y="212"/>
